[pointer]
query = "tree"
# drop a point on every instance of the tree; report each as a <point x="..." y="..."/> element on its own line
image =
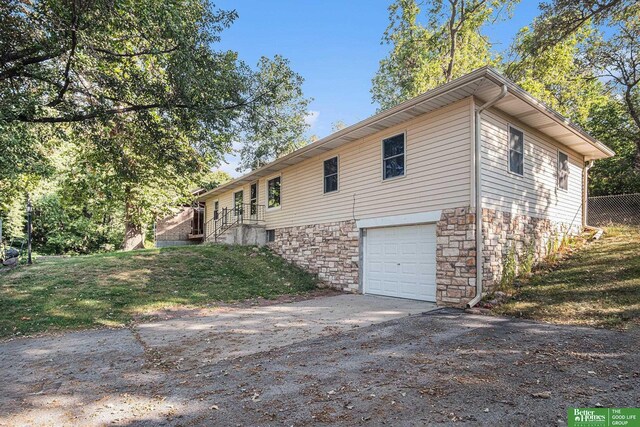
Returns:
<point x="424" y="56"/>
<point x="278" y="128"/>
<point x="140" y="91"/>
<point x="618" y="60"/>
<point x="616" y="175"/>
<point x="214" y="179"/>
<point x="562" y="18"/>
<point x="558" y="75"/>
<point x="589" y="75"/>
<point x="68" y="61"/>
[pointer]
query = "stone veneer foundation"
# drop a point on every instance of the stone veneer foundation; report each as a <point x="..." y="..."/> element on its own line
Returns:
<point x="329" y="250"/>
<point x="455" y="256"/>
<point x="332" y="250"/>
<point x="505" y="232"/>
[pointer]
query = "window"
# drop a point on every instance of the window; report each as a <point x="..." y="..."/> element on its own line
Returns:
<point x="516" y="151"/>
<point x="271" y="236"/>
<point x="216" y="212"/>
<point x="331" y="175"/>
<point x="393" y="156"/>
<point x="253" y="198"/>
<point x="237" y="203"/>
<point x="563" y="171"/>
<point x="273" y="193"/>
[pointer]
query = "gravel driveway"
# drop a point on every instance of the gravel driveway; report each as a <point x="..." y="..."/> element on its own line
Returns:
<point x="443" y="366"/>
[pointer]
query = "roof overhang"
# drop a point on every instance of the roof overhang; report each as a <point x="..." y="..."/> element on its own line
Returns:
<point x="484" y="83"/>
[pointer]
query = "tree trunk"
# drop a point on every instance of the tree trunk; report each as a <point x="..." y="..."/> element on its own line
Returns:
<point x="133" y="237"/>
<point x="133" y="232"/>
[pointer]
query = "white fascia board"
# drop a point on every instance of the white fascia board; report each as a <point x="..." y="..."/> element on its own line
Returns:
<point x="392" y="221"/>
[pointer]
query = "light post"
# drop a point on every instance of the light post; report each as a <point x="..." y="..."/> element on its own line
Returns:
<point x="29" y="211"/>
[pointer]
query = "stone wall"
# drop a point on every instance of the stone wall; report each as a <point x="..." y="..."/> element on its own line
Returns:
<point x="455" y="256"/>
<point x="505" y="235"/>
<point x="522" y="235"/>
<point x="332" y="250"/>
<point x="329" y="250"/>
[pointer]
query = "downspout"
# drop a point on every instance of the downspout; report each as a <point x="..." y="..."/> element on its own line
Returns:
<point x="478" y="193"/>
<point x="585" y="192"/>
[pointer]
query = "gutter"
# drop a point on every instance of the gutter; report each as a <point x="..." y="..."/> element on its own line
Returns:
<point x="477" y="163"/>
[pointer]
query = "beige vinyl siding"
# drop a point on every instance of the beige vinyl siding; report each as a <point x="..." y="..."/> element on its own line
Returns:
<point x="536" y="192"/>
<point x="437" y="175"/>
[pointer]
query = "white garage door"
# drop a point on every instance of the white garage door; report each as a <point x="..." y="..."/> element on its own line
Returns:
<point x="401" y="262"/>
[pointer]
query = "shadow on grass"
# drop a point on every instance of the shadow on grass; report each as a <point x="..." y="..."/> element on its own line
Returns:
<point x="109" y="289"/>
<point x="599" y="285"/>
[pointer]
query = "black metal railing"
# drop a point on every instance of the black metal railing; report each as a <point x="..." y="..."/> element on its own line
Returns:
<point x="224" y="219"/>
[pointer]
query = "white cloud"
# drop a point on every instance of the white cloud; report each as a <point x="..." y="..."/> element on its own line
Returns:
<point x="312" y="118"/>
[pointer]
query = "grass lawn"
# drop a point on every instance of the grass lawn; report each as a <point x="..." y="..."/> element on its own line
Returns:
<point x="110" y="289"/>
<point x="598" y="285"/>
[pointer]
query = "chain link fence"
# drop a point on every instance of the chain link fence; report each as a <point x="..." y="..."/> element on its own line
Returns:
<point x="616" y="209"/>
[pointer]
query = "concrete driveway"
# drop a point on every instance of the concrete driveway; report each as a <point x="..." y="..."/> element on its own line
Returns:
<point x="119" y="376"/>
<point x="292" y="365"/>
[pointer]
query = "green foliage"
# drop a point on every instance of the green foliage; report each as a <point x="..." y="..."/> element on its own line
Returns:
<point x="560" y="19"/>
<point x="214" y="179"/>
<point x="615" y="56"/>
<point x="558" y="76"/>
<point x="616" y="175"/>
<point x="146" y="103"/>
<point x="431" y="50"/>
<point x="606" y="271"/>
<point x="509" y="269"/>
<point x="528" y="258"/>
<point x="60" y="228"/>
<point x="278" y="128"/>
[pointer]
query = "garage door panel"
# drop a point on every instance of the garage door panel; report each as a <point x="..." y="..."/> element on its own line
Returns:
<point x="400" y="262"/>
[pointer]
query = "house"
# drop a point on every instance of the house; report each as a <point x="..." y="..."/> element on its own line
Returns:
<point x="185" y="226"/>
<point x="388" y="206"/>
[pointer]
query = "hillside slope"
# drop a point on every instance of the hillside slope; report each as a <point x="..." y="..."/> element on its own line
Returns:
<point x="599" y="285"/>
<point x="111" y="289"/>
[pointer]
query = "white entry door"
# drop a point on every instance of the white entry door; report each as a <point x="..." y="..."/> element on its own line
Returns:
<point x="401" y="262"/>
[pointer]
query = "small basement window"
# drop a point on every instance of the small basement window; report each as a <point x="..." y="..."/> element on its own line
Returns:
<point x="516" y="151"/>
<point x="273" y="193"/>
<point x="393" y="156"/>
<point x="331" y="175"/>
<point x="271" y="236"/>
<point x="563" y="171"/>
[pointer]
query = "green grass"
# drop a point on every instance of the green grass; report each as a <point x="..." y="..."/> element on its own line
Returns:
<point x="111" y="289"/>
<point x="598" y="285"/>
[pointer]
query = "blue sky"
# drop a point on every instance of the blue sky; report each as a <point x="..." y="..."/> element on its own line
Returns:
<point x="334" y="45"/>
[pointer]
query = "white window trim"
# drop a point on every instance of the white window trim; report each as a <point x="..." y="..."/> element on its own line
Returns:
<point x="213" y="208"/>
<point x="233" y="200"/>
<point x="566" y="190"/>
<point x="266" y="189"/>
<point x="509" y="126"/>
<point x="391" y="135"/>
<point x="257" y="184"/>
<point x="337" y="190"/>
